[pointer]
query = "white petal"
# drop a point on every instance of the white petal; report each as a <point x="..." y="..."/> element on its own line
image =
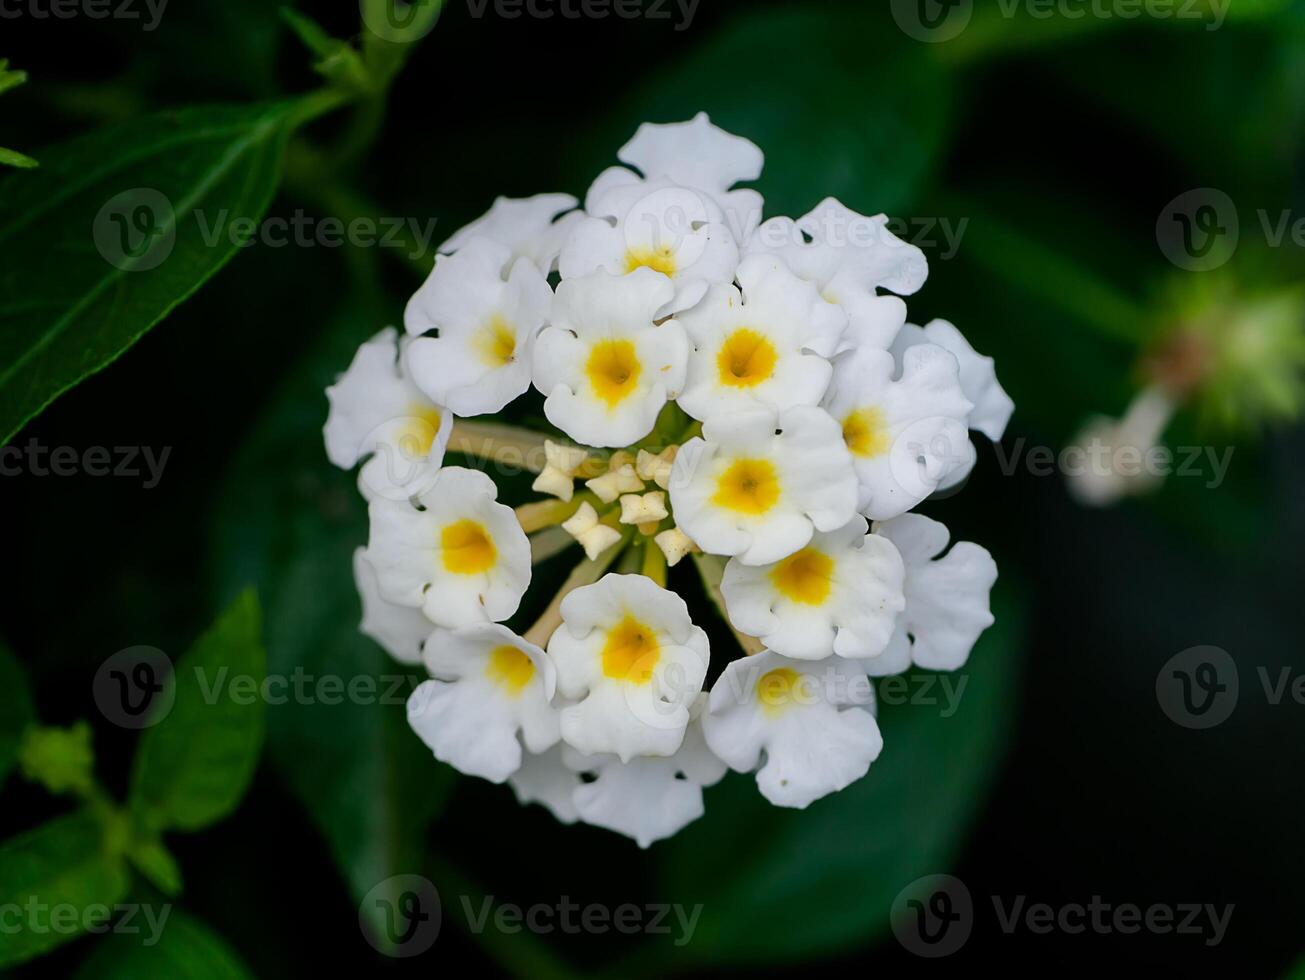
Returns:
<point x="528" y="226"/>
<point x="947" y="599"/>
<point x="906" y="436"/>
<point x="377" y="411"/>
<point x="812" y="731"/>
<point x="487" y="326"/>
<point x="649" y="798"/>
<point x="809" y="483"/>
<point x="694" y="153"/>
<point x="978" y="376"/>
<point x="546" y="780"/>
<point x="400" y="630"/>
<point x="592" y="317"/>
<point x="855" y="616"/>
<point x="764" y="347"/>
<point x="412" y="569"/>
<point x="642" y="709"/>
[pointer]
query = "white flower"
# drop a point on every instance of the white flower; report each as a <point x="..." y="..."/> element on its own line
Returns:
<point x="766" y="346"/>
<point x="849" y="257"/>
<point x="547" y="780"/>
<point x="377" y="411"/>
<point x="487" y="327"/>
<point x="978" y="376"/>
<point x="693" y="154"/>
<point x="605" y="368"/>
<point x="759" y="483"/>
<point x="1107" y="475"/>
<point x="648" y="798"/>
<point x="490" y="684"/>
<point x="463" y="559"/>
<point x="675" y="231"/>
<point x="840" y="594"/>
<point x="905" y="436"/>
<point x="400" y="630"/>
<point x="528" y="226"/>
<point x="813" y="722"/>
<point x="946" y="598"/>
<point x="631" y="658"/>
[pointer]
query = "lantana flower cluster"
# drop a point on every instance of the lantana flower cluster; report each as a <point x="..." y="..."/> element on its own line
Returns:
<point x="740" y="393"/>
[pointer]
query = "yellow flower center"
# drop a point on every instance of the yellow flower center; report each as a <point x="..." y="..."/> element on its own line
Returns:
<point x="420" y="427"/>
<point x="865" y="432"/>
<point x="631" y="652"/>
<point x="613" y="370"/>
<point x="658" y="259"/>
<point x="496" y="342"/>
<point x="749" y="486"/>
<point x="778" y="690"/>
<point x="466" y="548"/>
<point x="806" y="577"/>
<point x="745" y="359"/>
<point x="510" y="668"/>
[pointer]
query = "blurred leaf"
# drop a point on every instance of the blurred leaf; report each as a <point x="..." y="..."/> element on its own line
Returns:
<point x="291" y="522"/>
<point x="13" y="158"/>
<point x="193" y="767"/>
<point x="186" y="950"/>
<point x="152" y="859"/>
<point x="62" y="863"/>
<point x="102" y="241"/>
<point x="864" y="124"/>
<point x="779" y="884"/>
<point x="16" y="711"/>
<point x="1177" y="88"/>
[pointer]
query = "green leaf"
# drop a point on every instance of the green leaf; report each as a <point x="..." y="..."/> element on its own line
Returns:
<point x="106" y="238"/>
<point x="13" y="158"/>
<point x="16" y="711"/>
<point x="193" y="767"/>
<point x="291" y="522"/>
<point x="152" y="859"/>
<point x="62" y="868"/>
<point x="778" y="885"/>
<point x="864" y="124"/>
<point x="186" y="950"/>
